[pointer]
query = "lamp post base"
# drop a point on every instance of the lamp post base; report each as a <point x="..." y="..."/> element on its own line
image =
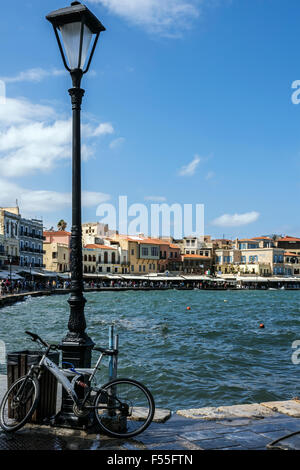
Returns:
<point x="77" y="350"/>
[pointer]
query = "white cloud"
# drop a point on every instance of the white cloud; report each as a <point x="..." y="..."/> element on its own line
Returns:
<point x="34" y="75"/>
<point x="43" y="201"/>
<point x="20" y="111"/>
<point x="235" y="220"/>
<point x="115" y="144"/>
<point x="210" y="175"/>
<point x="103" y="129"/>
<point x="155" y="198"/>
<point x="33" y="139"/>
<point x="190" y="169"/>
<point x="166" y="17"/>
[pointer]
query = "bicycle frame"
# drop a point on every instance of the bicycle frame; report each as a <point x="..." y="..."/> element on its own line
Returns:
<point x="68" y="385"/>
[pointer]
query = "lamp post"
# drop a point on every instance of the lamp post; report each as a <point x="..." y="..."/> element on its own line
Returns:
<point x="77" y="32"/>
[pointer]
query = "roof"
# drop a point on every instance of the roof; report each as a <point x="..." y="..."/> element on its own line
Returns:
<point x="101" y="247"/>
<point x="287" y="253"/>
<point x="261" y="238"/>
<point x="196" y="256"/>
<point x="56" y="232"/>
<point x="289" y="239"/>
<point x="247" y="240"/>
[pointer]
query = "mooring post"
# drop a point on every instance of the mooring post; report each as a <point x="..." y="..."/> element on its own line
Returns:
<point x="111" y="345"/>
<point x="115" y="358"/>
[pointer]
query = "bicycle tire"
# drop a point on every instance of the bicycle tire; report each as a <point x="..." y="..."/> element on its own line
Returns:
<point x="124" y="419"/>
<point x="8" y="410"/>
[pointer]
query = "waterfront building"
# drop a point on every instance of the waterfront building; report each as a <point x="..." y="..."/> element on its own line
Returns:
<point x="291" y="244"/>
<point x="143" y="253"/>
<point x="31" y="242"/>
<point x="9" y="229"/>
<point x="101" y="259"/>
<point x="291" y="264"/>
<point x="260" y="256"/>
<point x="222" y="243"/>
<point x="57" y="236"/>
<point x="91" y="231"/>
<point x="257" y="256"/>
<point x="227" y="260"/>
<point x="170" y="257"/>
<point x="57" y="250"/>
<point x="57" y="257"/>
<point x="197" y="264"/>
<point x="2" y="251"/>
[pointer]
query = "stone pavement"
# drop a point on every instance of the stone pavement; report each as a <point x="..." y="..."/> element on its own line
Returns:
<point x="240" y="427"/>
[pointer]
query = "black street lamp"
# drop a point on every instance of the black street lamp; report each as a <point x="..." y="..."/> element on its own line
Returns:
<point x="77" y="32"/>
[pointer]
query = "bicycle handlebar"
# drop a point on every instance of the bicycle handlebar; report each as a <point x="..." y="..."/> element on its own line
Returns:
<point x="38" y="338"/>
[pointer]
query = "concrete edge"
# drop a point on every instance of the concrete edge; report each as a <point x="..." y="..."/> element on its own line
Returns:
<point x="248" y="411"/>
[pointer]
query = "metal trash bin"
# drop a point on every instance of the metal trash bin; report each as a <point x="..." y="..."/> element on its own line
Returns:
<point x="18" y="364"/>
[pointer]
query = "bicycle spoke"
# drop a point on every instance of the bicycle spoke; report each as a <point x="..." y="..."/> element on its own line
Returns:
<point x="18" y="404"/>
<point x="126" y="408"/>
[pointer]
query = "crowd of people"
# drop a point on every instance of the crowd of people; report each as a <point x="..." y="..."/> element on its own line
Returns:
<point x="9" y="287"/>
<point x="152" y="284"/>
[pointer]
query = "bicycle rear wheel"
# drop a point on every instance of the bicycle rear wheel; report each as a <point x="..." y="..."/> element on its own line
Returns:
<point x="19" y="403"/>
<point x="124" y="408"/>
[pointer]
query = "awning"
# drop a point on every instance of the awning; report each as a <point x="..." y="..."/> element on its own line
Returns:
<point x="7" y="275"/>
<point x="252" y="279"/>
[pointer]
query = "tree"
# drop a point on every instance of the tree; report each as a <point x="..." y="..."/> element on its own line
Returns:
<point x="62" y="225"/>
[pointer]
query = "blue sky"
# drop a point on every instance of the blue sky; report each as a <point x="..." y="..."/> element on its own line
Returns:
<point x="188" y="101"/>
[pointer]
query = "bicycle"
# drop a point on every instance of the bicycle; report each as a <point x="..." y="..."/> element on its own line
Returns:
<point x="122" y="407"/>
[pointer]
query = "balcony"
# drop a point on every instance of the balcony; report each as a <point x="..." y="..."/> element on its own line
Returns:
<point x="32" y="235"/>
<point x="15" y="260"/>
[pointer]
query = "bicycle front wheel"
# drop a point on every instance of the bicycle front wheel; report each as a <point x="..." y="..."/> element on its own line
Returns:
<point x="124" y="408"/>
<point x="19" y="403"/>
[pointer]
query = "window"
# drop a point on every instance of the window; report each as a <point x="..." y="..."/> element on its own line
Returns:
<point x="144" y="268"/>
<point x="132" y="251"/>
<point x="187" y="252"/>
<point x="132" y="268"/>
<point x="144" y="251"/>
<point x="100" y="269"/>
<point x="154" y="251"/>
<point x="108" y="269"/>
<point x="54" y="255"/>
<point x="140" y="268"/>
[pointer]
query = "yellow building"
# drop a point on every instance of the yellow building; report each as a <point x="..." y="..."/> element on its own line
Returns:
<point x="56" y="257"/>
<point x="256" y="256"/>
<point x="143" y="253"/>
<point x="101" y="259"/>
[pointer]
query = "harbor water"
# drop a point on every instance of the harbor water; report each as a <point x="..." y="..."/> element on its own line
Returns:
<point x="213" y="354"/>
